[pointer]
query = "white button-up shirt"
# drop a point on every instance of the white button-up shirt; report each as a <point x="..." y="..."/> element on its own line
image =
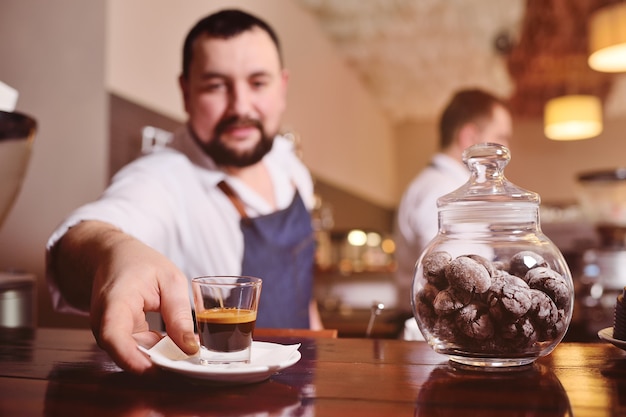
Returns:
<point x="417" y="218"/>
<point x="169" y="200"/>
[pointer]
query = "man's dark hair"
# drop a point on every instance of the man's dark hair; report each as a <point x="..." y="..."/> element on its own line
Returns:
<point x="225" y="24"/>
<point x="466" y="106"/>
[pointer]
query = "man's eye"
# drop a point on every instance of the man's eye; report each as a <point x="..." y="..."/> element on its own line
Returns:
<point x="259" y="83"/>
<point x="214" y="86"/>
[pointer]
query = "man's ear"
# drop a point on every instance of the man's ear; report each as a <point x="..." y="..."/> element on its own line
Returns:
<point x="284" y="75"/>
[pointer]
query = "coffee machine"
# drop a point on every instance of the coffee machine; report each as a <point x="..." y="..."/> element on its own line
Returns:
<point x="602" y="198"/>
<point x="17" y="134"/>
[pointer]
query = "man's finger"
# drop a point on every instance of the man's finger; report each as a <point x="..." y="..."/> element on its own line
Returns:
<point x="115" y="336"/>
<point x="176" y="312"/>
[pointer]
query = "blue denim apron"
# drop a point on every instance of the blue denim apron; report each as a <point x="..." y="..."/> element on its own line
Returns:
<point x="279" y="248"/>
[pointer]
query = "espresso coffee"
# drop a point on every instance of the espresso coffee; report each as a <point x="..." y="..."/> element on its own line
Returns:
<point x="226" y="329"/>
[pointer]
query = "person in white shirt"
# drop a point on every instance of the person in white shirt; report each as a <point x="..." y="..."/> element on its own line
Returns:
<point x="472" y="116"/>
<point x="228" y="197"/>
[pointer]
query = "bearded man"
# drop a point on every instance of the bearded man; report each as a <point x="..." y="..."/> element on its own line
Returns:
<point x="227" y="197"/>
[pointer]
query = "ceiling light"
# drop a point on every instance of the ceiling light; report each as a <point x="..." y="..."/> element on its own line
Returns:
<point x="573" y="117"/>
<point x="607" y="38"/>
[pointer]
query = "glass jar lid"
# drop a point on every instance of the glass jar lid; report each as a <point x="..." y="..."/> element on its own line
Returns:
<point x="487" y="183"/>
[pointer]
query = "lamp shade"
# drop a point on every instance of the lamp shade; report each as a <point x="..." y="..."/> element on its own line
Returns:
<point x="573" y="117"/>
<point x="607" y="38"/>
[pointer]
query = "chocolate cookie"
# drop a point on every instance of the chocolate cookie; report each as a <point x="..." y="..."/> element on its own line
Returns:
<point x="508" y="297"/>
<point x="424" y="303"/>
<point x="524" y="261"/>
<point x="520" y="333"/>
<point x="434" y="265"/>
<point x="543" y="311"/>
<point x="475" y="322"/>
<point x="427" y="294"/>
<point x="552" y="283"/>
<point x="558" y="328"/>
<point x="451" y="300"/>
<point x="445" y="329"/>
<point x="467" y="274"/>
<point x="484" y="262"/>
<point x="501" y="265"/>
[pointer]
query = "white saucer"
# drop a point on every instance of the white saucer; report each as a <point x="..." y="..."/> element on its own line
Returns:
<point x="266" y="359"/>
<point x="607" y="334"/>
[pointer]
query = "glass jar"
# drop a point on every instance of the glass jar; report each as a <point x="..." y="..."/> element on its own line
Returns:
<point x="491" y="290"/>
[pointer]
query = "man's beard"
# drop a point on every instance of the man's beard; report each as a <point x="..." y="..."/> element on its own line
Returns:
<point x="223" y="155"/>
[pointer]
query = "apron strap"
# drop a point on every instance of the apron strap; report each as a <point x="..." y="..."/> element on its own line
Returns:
<point x="234" y="198"/>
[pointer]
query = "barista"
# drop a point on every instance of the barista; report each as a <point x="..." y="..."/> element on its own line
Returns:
<point x="472" y="116"/>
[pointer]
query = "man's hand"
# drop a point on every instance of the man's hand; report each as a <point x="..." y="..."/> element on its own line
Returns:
<point x="129" y="279"/>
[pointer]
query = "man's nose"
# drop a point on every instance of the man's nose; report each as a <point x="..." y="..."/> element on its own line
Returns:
<point x="240" y="101"/>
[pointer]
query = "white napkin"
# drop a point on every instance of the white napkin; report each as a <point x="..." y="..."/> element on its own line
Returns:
<point x="273" y="356"/>
<point x="270" y="355"/>
<point x="168" y="349"/>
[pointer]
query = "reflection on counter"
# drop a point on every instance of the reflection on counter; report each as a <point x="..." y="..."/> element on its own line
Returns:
<point x="511" y="393"/>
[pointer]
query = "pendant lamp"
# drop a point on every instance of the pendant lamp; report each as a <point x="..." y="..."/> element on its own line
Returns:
<point x="573" y="117"/>
<point x="607" y="38"/>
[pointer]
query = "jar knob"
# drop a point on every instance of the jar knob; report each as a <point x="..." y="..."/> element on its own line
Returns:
<point x="486" y="161"/>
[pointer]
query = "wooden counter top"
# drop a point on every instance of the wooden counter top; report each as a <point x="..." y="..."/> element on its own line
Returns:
<point x="55" y="372"/>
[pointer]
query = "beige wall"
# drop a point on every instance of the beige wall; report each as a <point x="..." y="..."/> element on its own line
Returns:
<point x="550" y="167"/>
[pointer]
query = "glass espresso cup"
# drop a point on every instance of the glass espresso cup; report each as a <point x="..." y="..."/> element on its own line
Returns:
<point x="226" y="309"/>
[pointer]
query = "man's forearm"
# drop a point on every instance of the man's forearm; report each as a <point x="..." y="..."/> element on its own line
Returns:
<point x="76" y="257"/>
